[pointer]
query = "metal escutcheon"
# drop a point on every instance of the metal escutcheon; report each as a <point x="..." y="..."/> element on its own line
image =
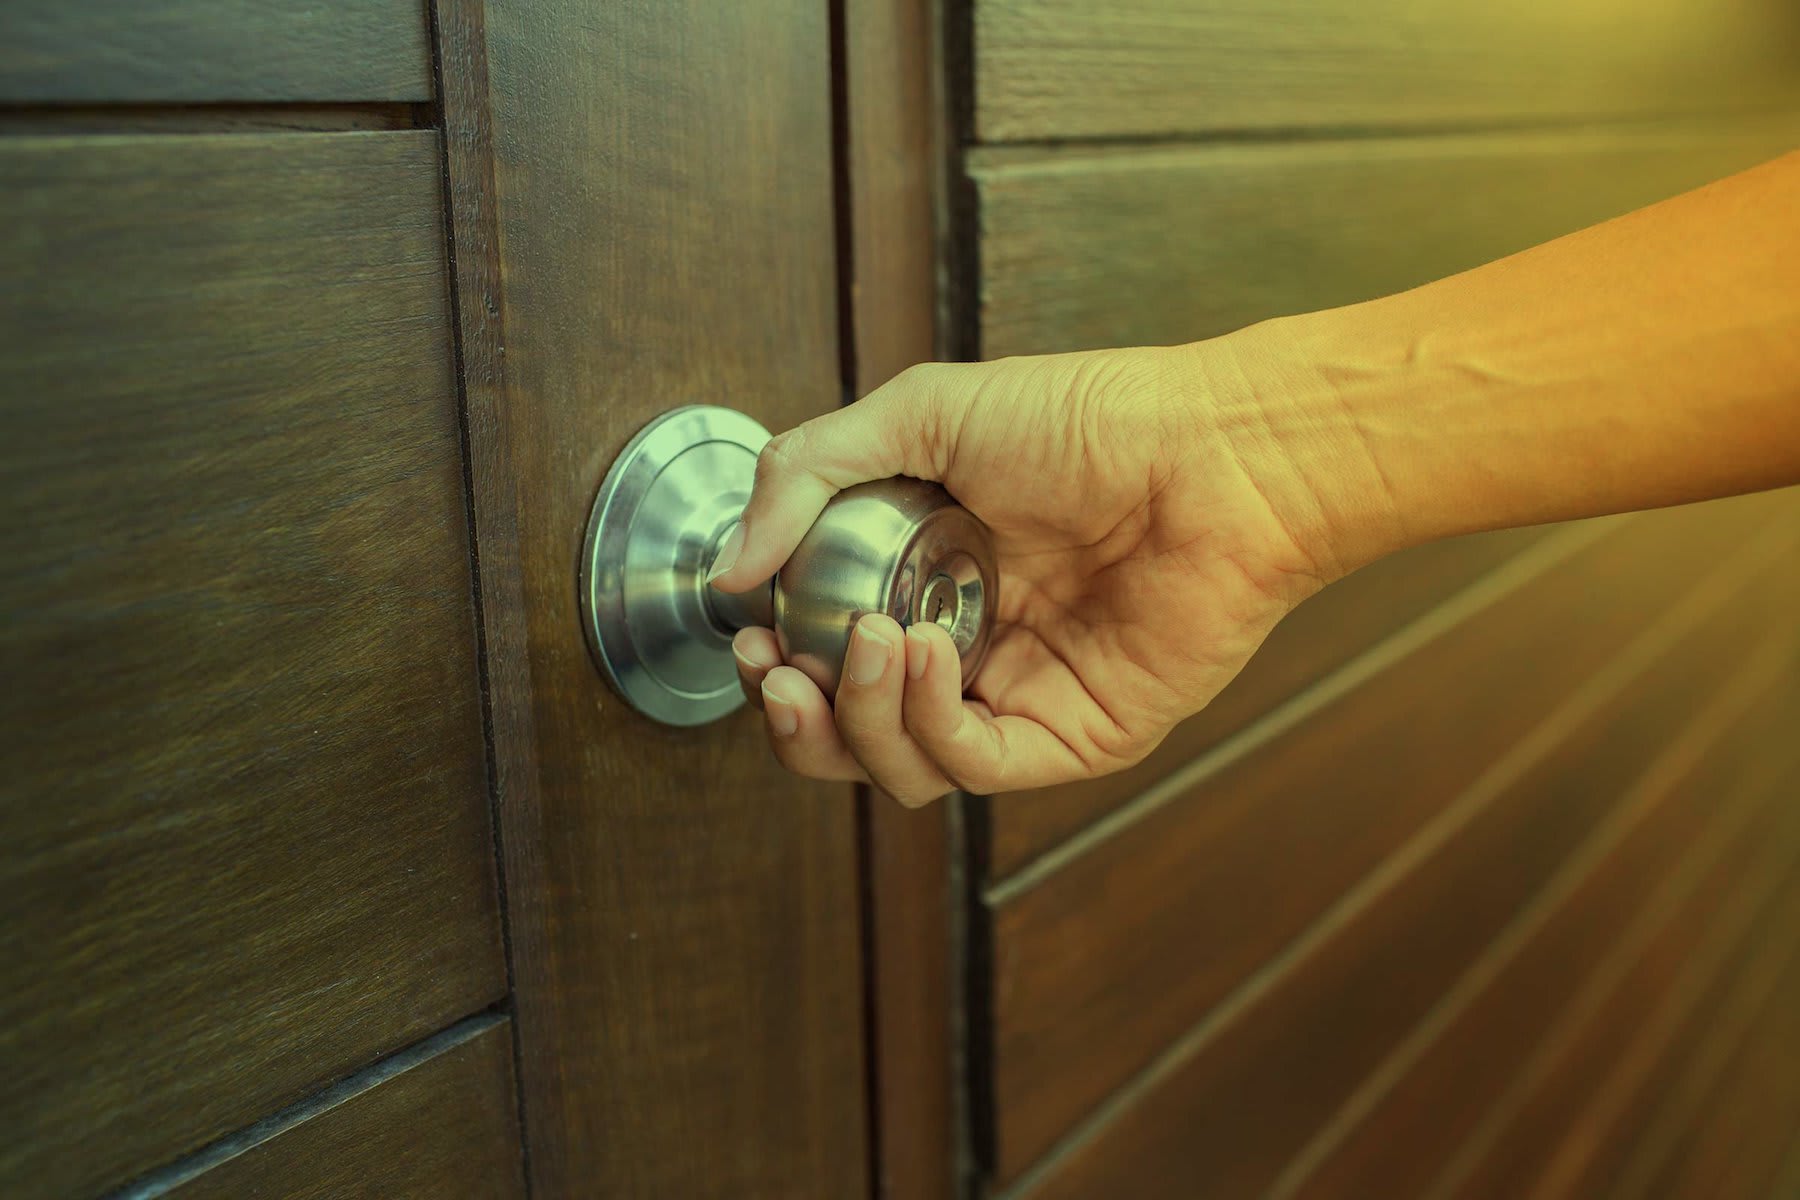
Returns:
<point x="897" y="546"/>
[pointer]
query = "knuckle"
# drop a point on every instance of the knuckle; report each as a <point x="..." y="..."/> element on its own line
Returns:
<point x="779" y="456"/>
<point x="858" y="727"/>
<point x="909" y="798"/>
<point x="783" y="753"/>
<point x="793" y="756"/>
<point x="923" y="376"/>
<point x="932" y="730"/>
<point x="976" y="779"/>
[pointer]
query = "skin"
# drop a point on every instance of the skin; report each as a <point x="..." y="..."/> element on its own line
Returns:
<point x="1158" y="510"/>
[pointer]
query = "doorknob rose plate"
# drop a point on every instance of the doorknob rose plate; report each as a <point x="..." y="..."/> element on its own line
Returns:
<point x="650" y="539"/>
<point x="662" y="637"/>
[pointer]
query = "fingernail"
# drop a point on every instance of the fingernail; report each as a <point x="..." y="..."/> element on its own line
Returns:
<point x="728" y="552"/>
<point x="869" y="654"/>
<point x="748" y="662"/>
<point x="918" y="653"/>
<point x="784" y="717"/>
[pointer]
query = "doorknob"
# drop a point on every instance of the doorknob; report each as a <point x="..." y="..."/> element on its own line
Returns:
<point x="663" y="637"/>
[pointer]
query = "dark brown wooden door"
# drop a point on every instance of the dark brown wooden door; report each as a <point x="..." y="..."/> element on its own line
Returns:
<point x="1480" y="880"/>
<point x="331" y="866"/>
<point x="644" y="198"/>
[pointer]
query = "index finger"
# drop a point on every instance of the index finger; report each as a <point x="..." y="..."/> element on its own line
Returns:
<point x="895" y="430"/>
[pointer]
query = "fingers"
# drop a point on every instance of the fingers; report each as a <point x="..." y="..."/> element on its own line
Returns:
<point x="757" y="653"/>
<point x="801" y="730"/>
<point x="868" y="714"/>
<point x="894" y="431"/>
<point x="900" y="720"/>
<point x="974" y="750"/>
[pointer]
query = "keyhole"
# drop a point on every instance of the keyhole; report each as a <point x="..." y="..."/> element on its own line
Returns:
<point x="941" y="602"/>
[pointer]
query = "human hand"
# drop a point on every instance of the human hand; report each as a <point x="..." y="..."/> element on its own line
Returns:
<point x="1148" y="539"/>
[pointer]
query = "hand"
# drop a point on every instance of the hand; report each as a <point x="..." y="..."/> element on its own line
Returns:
<point x="1145" y="551"/>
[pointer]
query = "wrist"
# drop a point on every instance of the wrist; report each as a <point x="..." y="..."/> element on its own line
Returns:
<point x="1306" y="447"/>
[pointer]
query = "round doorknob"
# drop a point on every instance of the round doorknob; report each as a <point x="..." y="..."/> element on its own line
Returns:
<point x="663" y="637"/>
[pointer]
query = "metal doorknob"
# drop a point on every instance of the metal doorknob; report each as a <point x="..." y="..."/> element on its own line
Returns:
<point x="663" y="637"/>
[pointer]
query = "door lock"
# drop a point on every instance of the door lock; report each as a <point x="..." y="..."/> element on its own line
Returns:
<point x="663" y="637"/>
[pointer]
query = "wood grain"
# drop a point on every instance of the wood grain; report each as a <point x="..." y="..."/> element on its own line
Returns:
<point x="1582" y="1101"/>
<point x="890" y="128"/>
<point x="247" y="840"/>
<point x="1592" y="833"/>
<point x="1679" y="1107"/>
<point x="439" y="1128"/>
<point x="1733" y="1147"/>
<point x="1064" y="69"/>
<point x="1618" y="941"/>
<point x="211" y="51"/>
<point x="1583" y="1097"/>
<point x="1158" y="245"/>
<point x="1090" y="977"/>
<point x="690" y="981"/>
<point x="1320" y="636"/>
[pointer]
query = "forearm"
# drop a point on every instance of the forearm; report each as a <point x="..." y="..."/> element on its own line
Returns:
<point x="1650" y="360"/>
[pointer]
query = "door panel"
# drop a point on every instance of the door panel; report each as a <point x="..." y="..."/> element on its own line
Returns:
<point x="689" y="982"/>
<point x="1103" y="963"/>
<point x="1620" y="895"/>
<point x="1613" y="1061"/>
<point x="246" y="825"/>
<point x="1289" y="951"/>
<point x="208" y="51"/>
<point x="438" y="1122"/>
<point x="1664" y="897"/>
<point x="1201" y="239"/>
<point x="1072" y="69"/>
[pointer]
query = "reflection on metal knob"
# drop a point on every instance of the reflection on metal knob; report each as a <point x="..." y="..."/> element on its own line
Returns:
<point x="897" y="546"/>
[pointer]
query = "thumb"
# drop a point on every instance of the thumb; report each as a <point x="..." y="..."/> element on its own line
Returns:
<point x="895" y="430"/>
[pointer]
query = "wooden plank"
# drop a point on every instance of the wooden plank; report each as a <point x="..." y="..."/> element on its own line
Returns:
<point x="891" y="125"/>
<point x="1200" y="240"/>
<point x="1735" y="1143"/>
<point x="1680" y="1107"/>
<point x="1320" y="636"/>
<point x="1540" y="1137"/>
<point x="1611" y="948"/>
<point x="690" y="972"/>
<point x="1578" y="1104"/>
<point x="1787" y="1178"/>
<point x="1089" y="980"/>
<point x="1617" y="1093"/>
<point x="66" y="120"/>
<point x="247" y="832"/>
<point x="443" y="1126"/>
<point x="1573" y="821"/>
<point x="212" y="51"/>
<point x="1063" y="69"/>
<point x="1599" y="1153"/>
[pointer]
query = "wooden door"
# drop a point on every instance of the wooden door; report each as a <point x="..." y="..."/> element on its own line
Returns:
<point x="644" y="212"/>
<point x="331" y="864"/>
<point x="1480" y="880"/>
